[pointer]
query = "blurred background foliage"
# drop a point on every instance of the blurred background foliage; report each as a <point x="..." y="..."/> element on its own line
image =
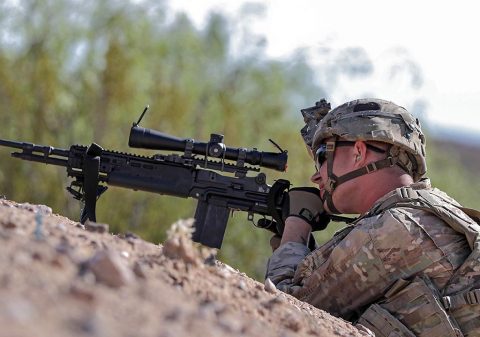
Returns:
<point x="84" y="75"/>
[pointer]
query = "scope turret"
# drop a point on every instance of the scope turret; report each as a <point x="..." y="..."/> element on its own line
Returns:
<point x="152" y="139"/>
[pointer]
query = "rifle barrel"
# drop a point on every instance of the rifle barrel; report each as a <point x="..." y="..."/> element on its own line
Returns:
<point x="9" y="143"/>
<point x="30" y="148"/>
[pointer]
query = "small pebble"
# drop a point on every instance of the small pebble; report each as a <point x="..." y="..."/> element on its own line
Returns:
<point x="39" y="227"/>
<point x="61" y="226"/>
<point x="19" y="310"/>
<point x="242" y="285"/>
<point x="82" y="293"/>
<point x="269" y="286"/>
<point x="96" y="227"/>
<point x="39" y="209"/>
<point x="109" y="269"/>
<point x="138" y="270"/>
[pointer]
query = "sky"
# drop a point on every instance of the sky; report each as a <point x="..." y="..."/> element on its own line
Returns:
<point x="440" y="37"/>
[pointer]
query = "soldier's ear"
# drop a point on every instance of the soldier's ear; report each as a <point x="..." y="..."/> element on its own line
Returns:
<point x="359" y="152"/>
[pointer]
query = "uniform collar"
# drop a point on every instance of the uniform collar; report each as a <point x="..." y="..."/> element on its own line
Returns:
<point x="422" y="184"/>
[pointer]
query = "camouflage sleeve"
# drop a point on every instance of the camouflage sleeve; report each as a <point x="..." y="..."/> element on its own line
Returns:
<point x="282" y="264"/>
<point x="357" y="270"/>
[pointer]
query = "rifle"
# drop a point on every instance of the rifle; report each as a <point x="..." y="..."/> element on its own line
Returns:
<point x="189" y="175"/>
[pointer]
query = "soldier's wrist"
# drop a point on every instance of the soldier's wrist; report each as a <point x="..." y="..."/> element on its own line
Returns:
<point x="296" y="230"/>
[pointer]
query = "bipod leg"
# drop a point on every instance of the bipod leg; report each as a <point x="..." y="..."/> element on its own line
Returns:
<point x="91" y="170"/>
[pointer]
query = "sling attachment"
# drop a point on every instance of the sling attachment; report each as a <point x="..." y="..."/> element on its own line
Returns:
<point x="91" y="172"/>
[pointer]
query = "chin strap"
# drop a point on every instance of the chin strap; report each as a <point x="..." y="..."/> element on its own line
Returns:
<point x="333" y="181"/>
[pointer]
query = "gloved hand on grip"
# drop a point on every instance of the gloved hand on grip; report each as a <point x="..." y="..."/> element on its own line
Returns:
<point x="302" y="202"/>
<point x="305" y="203"/>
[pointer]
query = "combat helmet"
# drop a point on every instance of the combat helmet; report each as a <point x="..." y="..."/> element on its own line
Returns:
<point x="377" y="120"/>
<point x="373" y="119"/>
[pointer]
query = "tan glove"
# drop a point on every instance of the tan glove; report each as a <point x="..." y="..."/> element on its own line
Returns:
<point x="305" y="203"/>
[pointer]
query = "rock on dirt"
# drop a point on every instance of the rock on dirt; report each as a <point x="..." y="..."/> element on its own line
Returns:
<point x="58" y="278"/>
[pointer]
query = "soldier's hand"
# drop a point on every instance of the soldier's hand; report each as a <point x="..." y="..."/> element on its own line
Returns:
<point x="275" y="242"/>
<point x="305" y="203"/>
<point x="302" y="202"/>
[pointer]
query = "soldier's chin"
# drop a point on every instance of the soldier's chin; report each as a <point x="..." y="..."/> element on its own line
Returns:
<point x="326" y="209"/>
<point x="324" y="203"/>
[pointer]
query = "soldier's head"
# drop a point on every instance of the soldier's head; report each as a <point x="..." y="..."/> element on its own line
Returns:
<point x="369" y="135"/>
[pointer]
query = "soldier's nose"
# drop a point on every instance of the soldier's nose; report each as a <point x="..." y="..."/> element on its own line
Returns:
<point x="316" y="178"/>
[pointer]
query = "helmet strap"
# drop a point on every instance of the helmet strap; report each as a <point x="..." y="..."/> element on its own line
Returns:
<point x="367" y="169"/>
<point x="333" y="181"/>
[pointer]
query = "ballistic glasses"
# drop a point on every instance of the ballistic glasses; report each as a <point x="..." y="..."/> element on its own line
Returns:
<point x="321" y="153"/>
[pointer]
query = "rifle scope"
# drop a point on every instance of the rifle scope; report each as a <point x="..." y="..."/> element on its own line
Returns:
<point x="152" y="139"/>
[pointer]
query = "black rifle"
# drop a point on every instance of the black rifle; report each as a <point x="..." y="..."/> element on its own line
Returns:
<point x="191" y="174"/>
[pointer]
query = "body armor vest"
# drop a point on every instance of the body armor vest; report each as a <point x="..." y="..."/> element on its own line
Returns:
<point x="415" y="307"/>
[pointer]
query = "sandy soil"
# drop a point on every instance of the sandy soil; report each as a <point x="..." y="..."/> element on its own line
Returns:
<point x="60" y="278"/>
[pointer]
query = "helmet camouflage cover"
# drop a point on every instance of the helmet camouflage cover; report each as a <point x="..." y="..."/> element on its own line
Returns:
<point x="382" y="121"/>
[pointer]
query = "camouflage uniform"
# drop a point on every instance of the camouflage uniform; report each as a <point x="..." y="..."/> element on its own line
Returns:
<point x="408" y="267"/>
<point x="381" y="253"/>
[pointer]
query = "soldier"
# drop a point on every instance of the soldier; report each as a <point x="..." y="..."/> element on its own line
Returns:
<point x="409" y="265"/>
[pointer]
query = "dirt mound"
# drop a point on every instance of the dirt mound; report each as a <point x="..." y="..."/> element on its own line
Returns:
<point x="60" y="278"/>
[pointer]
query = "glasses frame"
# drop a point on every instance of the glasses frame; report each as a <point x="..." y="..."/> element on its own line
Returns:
<point x="321" y="153"/>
